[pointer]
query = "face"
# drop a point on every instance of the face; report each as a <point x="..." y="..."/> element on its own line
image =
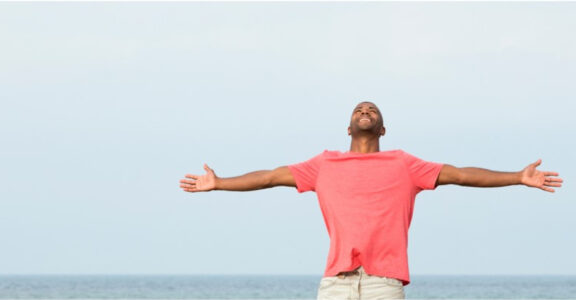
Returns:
<point x="366" y="118"/>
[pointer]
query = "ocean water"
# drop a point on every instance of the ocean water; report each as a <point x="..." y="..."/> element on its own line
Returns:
<point x="271" y="287"/>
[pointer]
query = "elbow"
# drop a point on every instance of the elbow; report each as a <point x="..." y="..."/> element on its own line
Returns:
<point x="269" y="180"/>
<point x="460" y="178"/>
<point x="280" y="177"/>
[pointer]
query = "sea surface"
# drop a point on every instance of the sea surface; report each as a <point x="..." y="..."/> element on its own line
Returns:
<point x="270" y="287"/>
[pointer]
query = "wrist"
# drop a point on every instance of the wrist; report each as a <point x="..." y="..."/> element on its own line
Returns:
<point x="519" y="177"/>
<point x="217" y="184"/>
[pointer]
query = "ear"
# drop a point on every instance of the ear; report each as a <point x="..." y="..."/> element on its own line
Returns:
<point x="349" y="131"/>
<point x="383" y="131"/>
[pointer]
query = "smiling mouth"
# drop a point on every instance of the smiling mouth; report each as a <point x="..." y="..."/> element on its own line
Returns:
<point x="365" y="120"/>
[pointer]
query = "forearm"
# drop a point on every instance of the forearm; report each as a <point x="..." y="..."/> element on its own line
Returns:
<point x="248" y="182"/>
<point x="478" y="177"/>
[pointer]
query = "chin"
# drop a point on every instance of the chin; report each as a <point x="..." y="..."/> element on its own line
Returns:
<point x="366" y="128"/>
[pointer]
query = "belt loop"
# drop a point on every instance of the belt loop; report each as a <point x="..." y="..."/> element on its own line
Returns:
<point x="357" y="283"/>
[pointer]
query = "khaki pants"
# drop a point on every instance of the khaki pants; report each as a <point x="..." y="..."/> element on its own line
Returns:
<point x="357" y="285"/>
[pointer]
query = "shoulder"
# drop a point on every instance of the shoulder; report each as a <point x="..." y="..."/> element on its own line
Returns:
<point x="394" y="153"/>
<point x="330" y="154"/>
<point x="404" y="154"/>
<point x="319" y="158"/>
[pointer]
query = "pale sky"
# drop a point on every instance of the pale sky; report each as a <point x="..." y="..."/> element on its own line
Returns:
<point x="105" y="106"/>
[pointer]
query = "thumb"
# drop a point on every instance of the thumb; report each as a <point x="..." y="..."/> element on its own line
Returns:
<point x="537" y="163"/>
<point x="208" y="169"/>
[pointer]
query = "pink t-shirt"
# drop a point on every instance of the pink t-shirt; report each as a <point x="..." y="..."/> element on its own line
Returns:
<point x="367" y="201"/>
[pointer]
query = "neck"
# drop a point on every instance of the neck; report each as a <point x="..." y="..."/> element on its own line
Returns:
<point x="365" y="144"/>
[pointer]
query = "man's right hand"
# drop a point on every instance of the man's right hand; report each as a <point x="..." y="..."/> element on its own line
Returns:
<point x="256" y="180"/>
<point x="199" y="183"/>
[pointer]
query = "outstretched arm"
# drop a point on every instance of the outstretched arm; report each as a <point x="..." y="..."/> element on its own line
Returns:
<point x="477" y="177"/>
<point x="248" y="182"/>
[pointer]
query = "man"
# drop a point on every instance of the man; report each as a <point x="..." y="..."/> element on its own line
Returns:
<point x="367" y="199"/>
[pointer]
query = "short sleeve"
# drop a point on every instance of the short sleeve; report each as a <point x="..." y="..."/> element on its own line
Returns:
<point x="423" y="173"/>
<point x="306" y="173"/>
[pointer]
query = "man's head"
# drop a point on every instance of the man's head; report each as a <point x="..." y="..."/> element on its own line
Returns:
<point x="366" y="120"/>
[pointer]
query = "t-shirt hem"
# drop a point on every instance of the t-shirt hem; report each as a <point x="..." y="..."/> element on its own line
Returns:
<point x="403" y="278"/>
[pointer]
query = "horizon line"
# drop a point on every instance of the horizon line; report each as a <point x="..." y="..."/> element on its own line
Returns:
<point x="265" y="274"/>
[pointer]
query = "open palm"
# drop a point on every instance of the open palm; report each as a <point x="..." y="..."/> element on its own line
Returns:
<point x="540" y="179"/>
<point x="199" y="183"/>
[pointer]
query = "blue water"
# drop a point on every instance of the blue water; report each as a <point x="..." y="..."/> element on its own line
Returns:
<point x="271" y="287"/>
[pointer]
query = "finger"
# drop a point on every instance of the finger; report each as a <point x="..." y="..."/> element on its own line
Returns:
<point x="188" y="186"/>
<point x="553" y="180"/>
<point x="188" y="181"/>
<point x="191" y="176"/>
<point x="553" y="184"/>
<point x="547" y="189"/>
<point x="551" y="174"/>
